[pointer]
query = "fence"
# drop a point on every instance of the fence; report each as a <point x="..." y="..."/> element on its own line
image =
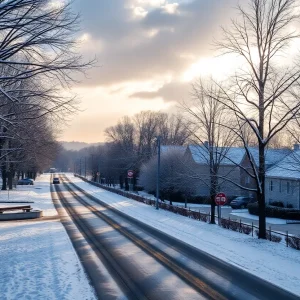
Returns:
<point x="237" y="226"/>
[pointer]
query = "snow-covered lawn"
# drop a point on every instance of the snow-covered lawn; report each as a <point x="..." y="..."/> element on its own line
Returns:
<point x="246" y="214"/>
<point x="37" y="258"/>
<point x="270" y="261"/>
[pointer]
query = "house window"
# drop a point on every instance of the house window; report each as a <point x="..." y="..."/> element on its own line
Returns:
<point x="280" y="186"/>
<point x="247" y="180"/>
<point x="288" y="187"/>
<point x="271" y="185"/>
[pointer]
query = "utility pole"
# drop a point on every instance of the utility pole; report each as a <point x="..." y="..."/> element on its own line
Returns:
<point x="99" y="181"/>
<point x="158" y="171"/>
<point x="80" y="166"/>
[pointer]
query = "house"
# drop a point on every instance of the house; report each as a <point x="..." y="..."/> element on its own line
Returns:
<point x="272" y="157"/>
<point x="234" y="167"/>
<point x="283" y="181"/>
<point x="227" y="159"/>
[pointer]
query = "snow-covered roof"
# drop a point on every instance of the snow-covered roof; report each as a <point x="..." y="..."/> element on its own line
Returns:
<point x="235" y="155"/>
<point x="166" y="148"/>
<point x="227" y="156"/>
<point x="272" y="156"/>
<point x="289" y="167"/>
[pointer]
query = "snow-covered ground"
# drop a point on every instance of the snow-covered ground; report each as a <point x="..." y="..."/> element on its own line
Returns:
<point x="270" y="261"/>
<point x="37" y="258"/>
<point x="246" y="214"/>
<point x="39" y="262"/>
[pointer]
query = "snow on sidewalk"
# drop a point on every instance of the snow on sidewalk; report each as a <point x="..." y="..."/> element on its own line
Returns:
<point x="38" y="260"/>
<point x="270" y="261"/>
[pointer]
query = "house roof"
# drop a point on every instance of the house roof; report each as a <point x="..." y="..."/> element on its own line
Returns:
<point x="272" y="156"/>
<point x="166" y="148"/>
<point x="289" y="167"/>
<point x="235" y="155"/>
<point x="226" y="155"/>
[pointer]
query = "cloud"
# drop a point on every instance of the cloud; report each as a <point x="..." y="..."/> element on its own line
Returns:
<point x="142" y="48"/>
<point x="145" y="48"/>
<point x="174" y="91"/>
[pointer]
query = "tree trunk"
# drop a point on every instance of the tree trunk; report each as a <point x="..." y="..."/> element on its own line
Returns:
<point x="212" y="200"/>
<point x="126" y="184"/>
<point x="213" y="188"/>
<point x="261" y="193"/>
<point x="10" y="179"/>
<point x="4" y="177"/>
<point x="121" y="182"/>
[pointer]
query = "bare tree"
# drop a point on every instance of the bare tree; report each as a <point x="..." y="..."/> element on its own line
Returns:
<point x="207" y="116"/>
<point x="38" y="57"/>
<point x="134" y="139"/>
<point x="173" y="175"/>
<point x="264" y="94"/>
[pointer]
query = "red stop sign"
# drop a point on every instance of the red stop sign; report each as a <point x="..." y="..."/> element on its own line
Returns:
<point x="129" y="173"/>
<point x="220" y="199"/>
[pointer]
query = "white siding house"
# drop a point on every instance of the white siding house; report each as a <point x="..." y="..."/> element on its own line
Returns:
<point x="283" y="181"/>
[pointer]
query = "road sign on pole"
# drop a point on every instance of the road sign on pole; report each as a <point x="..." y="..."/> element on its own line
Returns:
<point x="220" y="199"/>
<point x="130" y="174"/>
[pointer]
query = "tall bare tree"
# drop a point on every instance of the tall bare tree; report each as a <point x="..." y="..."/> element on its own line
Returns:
<point x="38" y="57"/>
<point x="207" y="115"/>
<point x="264" y="92"/>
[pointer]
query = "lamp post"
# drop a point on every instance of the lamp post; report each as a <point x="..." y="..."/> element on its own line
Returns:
<point x="158" y="171"/>
<point x="80" y="166"/>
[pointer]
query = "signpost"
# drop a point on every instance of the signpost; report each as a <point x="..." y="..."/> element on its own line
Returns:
<point x="220" y="200"/>
<point x="130" y="176"/>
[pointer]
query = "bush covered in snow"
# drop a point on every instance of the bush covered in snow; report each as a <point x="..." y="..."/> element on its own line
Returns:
<point x="235" y="226"/>
<point x="293" y="242"/>
<point x="276" y="212"/>
<point x="271" y="237"/>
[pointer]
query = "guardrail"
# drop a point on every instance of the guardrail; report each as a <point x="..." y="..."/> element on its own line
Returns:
<point x="237" y="226"/>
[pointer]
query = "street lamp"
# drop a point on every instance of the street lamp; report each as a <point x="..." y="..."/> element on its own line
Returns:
<point x="158" y="171"/>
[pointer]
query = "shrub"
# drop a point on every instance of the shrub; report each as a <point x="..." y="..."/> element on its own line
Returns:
<point x="225" y="223"/>
<point x="139" y="188"/>
<point x="275" y="212"/>
<point x="293" y="242"/>
<point x="253" y="208"/>
<point x="277" y="203"/>
<point x="203" y="217"/>
<point x="199" y="200"/>
<point x="234" y="225"/>
<point x="289" y="205"/>
<point x="194" y="215"/>
<point x="246" y="229"/>
<point x="271" y="237"/>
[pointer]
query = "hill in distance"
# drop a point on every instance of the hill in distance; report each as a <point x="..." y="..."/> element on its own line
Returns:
<point x="76" y="146"/>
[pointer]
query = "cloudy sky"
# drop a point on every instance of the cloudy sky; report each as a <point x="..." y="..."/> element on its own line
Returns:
<point x="148" y="53"/>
